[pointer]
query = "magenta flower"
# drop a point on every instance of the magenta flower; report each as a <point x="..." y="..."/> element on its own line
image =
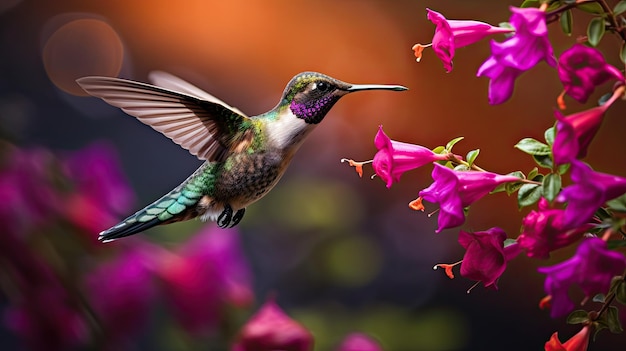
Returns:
<point x="544" y="231"/>
<point x="455" y="190"/>
<point x="485" y="256"/>
<point x="98" y="176"/>
<point x="27" y="190"/>
<point x="359" y="342"/>
<point x="207" y="273"/>
<point x="43" y="314"/>
<point x="394" y="158"/>
<point x="591" y="268"/>
<point x="575" y="132"/>
<point x="582" y="68"/>
<point x="517" y="54"/>
<point x="120" y="293"/>
<point x="271" y="329"/>
<point x="589" y="191"/>
<point x="453" y="34"/>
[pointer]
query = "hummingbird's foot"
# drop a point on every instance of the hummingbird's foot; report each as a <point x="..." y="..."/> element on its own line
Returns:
<point x="237" y="217"/>
<point x="225" y="217"/>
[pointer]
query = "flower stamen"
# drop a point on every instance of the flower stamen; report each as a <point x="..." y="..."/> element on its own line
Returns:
<point x="416" y="204"/>
<point x="358" y="166"/>
<point x="472" y="287"/>
<point x="447" y="268"/>
<point x="418" y="49"/>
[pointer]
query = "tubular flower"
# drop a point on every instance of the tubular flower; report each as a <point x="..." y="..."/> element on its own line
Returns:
<point x="359" y="342"/>
<point x="589" y="191"/>
<point x="394" y="158"/>
<point x="452" y="34"/>
<point x="486" y="256"/>
<point x="582" y="68"/>
<point x="517" y="54"/>
<point x="455" y="190"/>
<point x="575" y="132"/>
<point x="205" y="275"/>
<point x="544" y="231"/>
<point x="591" y="268"/>
<point x="578" y="342"/>
<point x="271" y="329"/>
<point x="121" y="292"/>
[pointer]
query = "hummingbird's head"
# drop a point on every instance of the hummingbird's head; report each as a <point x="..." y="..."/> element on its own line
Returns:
<point x="310" y="95"/>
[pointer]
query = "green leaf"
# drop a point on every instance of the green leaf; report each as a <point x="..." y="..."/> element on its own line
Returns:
<point x="563" y="168"/>
<point x="530" y="3"/>
<point x="616" y="281"/>
<point x="518" y="174"/>
<point x="566" y="21"/>
<point x="471" y="156"/>
<point x="595" y="30"/>
<point x="551" y="186"/>
<point x="604" y="98"/>
<point x="591" y="7"/>
<point x="599" y="298"/>
<point x="510" y="188"/>
<point x="461" y="167"/>
<point x="615" y="244"/>
<point x="500" y="188"/>
<point x="549" y="135"/>
<point x="612" y="320"/>
<point x="533" y="147"/>
<point x="533" y="172"/>
<point x="544" y="161"/>
<point x="578" y="317"/>
<point x="622" y="53"/>
<point x="439" y="149"/>
<point x="618" y="204"/>
<point x="619" y="8"/>
<point x="452" y="142"/>
<point x="620" y="293"/>
<point x="528" y="194"/>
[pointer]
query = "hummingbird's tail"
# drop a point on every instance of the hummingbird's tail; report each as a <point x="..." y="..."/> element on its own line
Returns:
<point x="179" y="204"/>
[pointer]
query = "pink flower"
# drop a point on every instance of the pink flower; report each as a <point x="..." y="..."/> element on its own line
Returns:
<point x="453" y="34"/>
<point x="582" y="68"/>
<point x="485" y="256"/>
<point x="545" y="231"/>
<point x="394" y="158"/>
<point x="455" y="190"/>
<point x="98" y="176"/>
<point x="207" y="273"/>
<point x="575" y="132"/>
<point x="120" y="292"/>
<point x="42" y="313"/>
<point x="591" y="268"/>
<point x="517" y="54"/>
<point x="271" y="329"/>
<point x="359" y="342"/>
<point x="27" y="189"/>
<point x="589" y="191"/>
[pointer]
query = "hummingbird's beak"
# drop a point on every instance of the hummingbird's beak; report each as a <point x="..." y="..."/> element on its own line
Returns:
<point x="358" y="87"/>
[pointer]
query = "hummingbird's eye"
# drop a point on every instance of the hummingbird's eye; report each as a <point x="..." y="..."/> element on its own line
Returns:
<point x="322" y="86"/>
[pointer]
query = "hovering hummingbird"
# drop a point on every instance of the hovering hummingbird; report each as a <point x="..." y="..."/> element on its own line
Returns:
<point x="245" y="156"/>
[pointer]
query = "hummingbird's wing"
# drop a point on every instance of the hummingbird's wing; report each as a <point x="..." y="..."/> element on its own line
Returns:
<point x="170" y="81"/>
<point x="206" y="128"/>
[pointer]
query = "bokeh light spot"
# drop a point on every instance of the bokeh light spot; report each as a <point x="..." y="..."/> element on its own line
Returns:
<point x="81" y="48"/>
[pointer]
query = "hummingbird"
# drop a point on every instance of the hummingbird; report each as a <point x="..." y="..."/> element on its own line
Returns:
<point x="244" y="156"/>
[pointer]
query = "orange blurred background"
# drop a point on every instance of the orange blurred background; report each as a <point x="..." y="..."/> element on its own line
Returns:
<point x="337" y="250"/>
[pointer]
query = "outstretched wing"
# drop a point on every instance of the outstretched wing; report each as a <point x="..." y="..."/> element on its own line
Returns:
<point x="206" y="128"/>
<point x="171" y="82"/>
